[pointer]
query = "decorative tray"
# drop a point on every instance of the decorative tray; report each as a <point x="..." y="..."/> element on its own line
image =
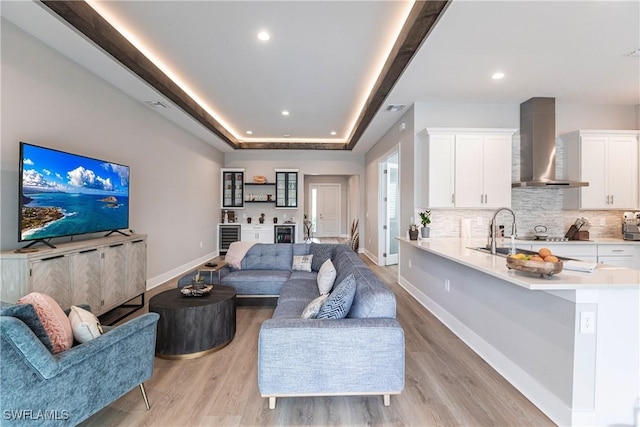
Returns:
<point x="189" y="291"/>
<point x="544" y="269"/>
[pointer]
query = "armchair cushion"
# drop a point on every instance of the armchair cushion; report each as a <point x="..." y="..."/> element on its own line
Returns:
<point x="53" y="319"/>
<point x="85" y="324"/>
<point x="27" y="314"/>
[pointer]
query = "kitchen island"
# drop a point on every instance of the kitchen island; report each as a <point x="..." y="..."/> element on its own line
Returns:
<point x="570" y="344"/>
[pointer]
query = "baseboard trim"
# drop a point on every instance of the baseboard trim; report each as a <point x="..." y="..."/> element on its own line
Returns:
<point x="559" y="412"/>
<point x="371" y="256"/>
<point x="175" y="272"/>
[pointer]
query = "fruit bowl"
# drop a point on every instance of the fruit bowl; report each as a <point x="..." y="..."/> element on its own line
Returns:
<point x="544" y="269"/>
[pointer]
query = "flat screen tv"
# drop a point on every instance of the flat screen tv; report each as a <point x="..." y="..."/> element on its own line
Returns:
<point x="63" y="194"/>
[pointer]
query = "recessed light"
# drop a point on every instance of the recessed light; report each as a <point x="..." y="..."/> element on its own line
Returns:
<point x="249" y="132"/>
<point x="285" y="113"/>
<point x="264" y="36"/>
<point x="286" y="135"/>
<point x="334" y="133"/>
<point x="497" y="76"/>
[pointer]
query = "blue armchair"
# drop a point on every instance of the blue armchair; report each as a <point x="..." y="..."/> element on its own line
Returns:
<point x="41" y="388"/>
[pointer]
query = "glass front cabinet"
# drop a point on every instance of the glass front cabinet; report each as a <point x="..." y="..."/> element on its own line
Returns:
<point x="286" y="188"/>
<point x="232" y="188"/>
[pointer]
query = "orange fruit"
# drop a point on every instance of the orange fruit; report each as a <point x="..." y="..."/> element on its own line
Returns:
<point x="544" y="252"/>
<point x="536" y="258"/>
<point x="551" y="258"/>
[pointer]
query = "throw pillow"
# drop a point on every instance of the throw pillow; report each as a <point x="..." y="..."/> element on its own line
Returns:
<point x="85" y="324"/>
<point x="326" y="277"/>
<point x="27" y="314"/>
<point x="302" y="262"/>
<point x="313" y="308"/>
<point x="321" y="252"/>
<point x="53" y="319"/>
<point x="339" y="302"/>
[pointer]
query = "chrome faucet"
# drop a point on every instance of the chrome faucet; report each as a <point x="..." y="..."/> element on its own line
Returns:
<point x="492" y="229"/>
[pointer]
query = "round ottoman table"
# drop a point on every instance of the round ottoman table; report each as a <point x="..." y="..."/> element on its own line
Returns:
<point x="191" y="327"/>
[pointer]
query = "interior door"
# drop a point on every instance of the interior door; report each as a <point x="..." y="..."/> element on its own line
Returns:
<point x="327" y="210"/>
<point x="392" y="219"/>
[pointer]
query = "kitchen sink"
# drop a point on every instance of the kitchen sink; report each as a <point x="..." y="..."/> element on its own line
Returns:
<point x="504" y="252"/>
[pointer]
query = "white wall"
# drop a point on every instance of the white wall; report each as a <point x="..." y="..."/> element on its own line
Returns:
<point x="175" y="180"/>
<point x="308" y="162"/>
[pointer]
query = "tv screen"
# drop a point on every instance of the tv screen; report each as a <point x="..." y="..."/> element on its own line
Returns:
<point x="64" y="194"/>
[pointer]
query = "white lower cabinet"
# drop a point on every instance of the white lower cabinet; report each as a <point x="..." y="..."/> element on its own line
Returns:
<point x="259" y="233"/>
<point x="103" y="273"/>
<point x="627" y="256"/>
<point x="583" y="251"/>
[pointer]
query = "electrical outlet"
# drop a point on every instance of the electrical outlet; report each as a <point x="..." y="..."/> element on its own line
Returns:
<point x="479" y="221"/>
<point x="603" y="222"/>
<point x="200" y="245"/>
<point x="447" y="285"/>
<point x="587" y="322"/>
<point x="409" y="262"/>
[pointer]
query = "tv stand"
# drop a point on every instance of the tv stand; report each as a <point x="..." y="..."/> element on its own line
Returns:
<point x="116" y="231"/>
<point x="39" y="241"/>
<point x="104" y="272"/>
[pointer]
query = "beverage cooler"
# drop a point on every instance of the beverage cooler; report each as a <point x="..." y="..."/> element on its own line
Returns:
<point x="284" y="234"/>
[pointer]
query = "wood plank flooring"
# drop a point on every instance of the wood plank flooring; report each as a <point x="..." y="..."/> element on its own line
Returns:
<point x="446" y="384"/>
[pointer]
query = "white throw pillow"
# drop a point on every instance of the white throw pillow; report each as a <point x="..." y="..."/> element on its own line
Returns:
<point x="326" y="277"/>
<point x="85" y="325"/>
<point x="302" y="263"/>
<point x="313" y="308"/>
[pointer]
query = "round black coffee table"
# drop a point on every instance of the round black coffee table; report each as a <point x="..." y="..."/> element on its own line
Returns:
<point x="191" y="327"/>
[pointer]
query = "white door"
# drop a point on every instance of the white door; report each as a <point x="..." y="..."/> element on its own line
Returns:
<point x="622" y="162"/>
<point x="325" y="211"/>
<point x="469" y="171"/>
<point x="497" y="171"/>
<point x="391" y="209"/>
<point x="593" y="163"/>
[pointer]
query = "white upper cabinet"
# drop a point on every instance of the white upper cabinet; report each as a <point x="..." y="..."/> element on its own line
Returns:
<point x="608" y="161"/>
<point x="465" y="168"/>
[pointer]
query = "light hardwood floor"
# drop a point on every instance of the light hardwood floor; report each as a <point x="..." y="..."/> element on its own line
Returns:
<point x="446" y="384"/>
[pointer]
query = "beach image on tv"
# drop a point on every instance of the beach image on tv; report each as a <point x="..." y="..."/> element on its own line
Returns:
<point x="65" y="194"/>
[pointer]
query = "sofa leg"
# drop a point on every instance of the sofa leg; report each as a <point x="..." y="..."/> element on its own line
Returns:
<point x="144" y="396"/>
<point x="272" y="403"/>
<point x="386" y="398"/>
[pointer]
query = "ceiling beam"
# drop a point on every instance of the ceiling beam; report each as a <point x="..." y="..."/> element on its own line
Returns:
<point x="88" y="22"/>
<point x="421" y="20"/>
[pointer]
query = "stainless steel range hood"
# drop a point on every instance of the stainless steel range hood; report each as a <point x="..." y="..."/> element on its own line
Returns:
<point x="538" y="146"/>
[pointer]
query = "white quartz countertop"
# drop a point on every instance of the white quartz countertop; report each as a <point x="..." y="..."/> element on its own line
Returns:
<point x="457" y="250"/>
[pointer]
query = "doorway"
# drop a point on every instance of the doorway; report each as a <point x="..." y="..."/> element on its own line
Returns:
<point x="389" y="208"/>
<point x="326" y="209"/>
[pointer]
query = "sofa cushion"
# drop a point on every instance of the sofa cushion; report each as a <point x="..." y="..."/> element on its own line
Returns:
<point x="256" y="282"/>
<point x="321" y="252"/>
<point x="27" y="314"/>
<point x="301" y="263"/>
<point x="273" y="256"/>
<point x="339" y="302"/>
<point x="313" y="308"/>
<point x="299" y="290"/>
<point x="289" y="309"/>
<point x="53" y="319"/>
<point x="84" y="324"/>
<point x="326" y="277"/>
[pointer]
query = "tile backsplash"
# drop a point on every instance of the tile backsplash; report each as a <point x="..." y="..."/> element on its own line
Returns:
<point x="532" y="206"/>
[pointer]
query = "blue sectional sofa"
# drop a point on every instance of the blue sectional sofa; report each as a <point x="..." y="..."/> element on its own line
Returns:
<point x="362" y="354"/>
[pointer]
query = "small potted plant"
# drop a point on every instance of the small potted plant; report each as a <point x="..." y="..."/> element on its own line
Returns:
<point x="413" y="232"/>
<point x="425" y="219"/>
<point x="261" y="219"/>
